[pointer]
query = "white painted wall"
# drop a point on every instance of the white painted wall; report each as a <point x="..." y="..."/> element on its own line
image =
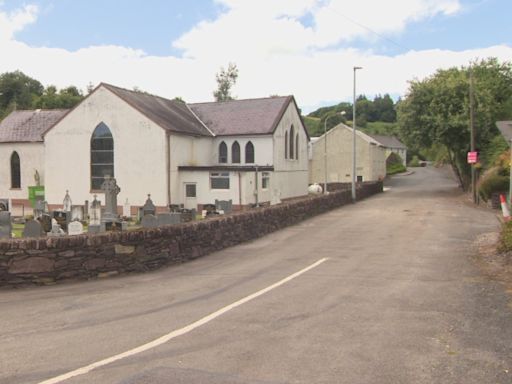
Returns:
<point x="241" y="191"/>
<point x="31" y="159"/>
<point x="370" y="159"/>
<point x="263" y="149"/>
<point x="139" y="152"/>
<point x="400" y="152"/>
<point x="291" y="175"/>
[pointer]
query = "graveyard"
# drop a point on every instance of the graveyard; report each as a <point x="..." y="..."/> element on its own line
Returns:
<point x="95" y="217"/>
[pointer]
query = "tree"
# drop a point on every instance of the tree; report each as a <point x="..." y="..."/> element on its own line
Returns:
<point x="436" y="110"/>
<point x="65" y="98"/>
<point x="17" y="91"/>
<point x="226" y="79"/>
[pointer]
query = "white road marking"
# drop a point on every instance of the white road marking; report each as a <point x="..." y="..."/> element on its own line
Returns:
<point x="165" y="338"/>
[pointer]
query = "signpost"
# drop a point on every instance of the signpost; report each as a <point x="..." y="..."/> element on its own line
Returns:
<point x="472" y="157"/>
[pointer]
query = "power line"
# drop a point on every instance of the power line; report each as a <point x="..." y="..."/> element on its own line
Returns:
<point x="370" y="30"/>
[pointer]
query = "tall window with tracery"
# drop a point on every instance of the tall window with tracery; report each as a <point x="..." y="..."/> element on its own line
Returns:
<point x="102" y="155"/>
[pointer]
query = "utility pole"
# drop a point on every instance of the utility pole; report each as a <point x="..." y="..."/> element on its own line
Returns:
<point x="354" y="128"/>
<point x="472" y="132"/>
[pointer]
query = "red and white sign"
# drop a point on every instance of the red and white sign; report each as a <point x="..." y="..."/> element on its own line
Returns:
<point x="472" y="157"/>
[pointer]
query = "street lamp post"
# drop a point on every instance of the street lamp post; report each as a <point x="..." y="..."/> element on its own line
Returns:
<point x="354" y="127"/>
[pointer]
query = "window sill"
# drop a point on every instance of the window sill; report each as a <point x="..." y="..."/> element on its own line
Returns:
<point x="15" y="189"/>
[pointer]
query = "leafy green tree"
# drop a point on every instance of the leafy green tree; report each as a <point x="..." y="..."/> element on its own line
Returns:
<point x="436" y="110"/>
<point x="226" y="79"/>
<point x="17" y="91"/>
<point x="52" y="99"/>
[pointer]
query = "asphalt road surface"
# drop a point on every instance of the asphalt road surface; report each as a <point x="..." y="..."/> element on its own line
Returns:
<point x="397" y="300"/>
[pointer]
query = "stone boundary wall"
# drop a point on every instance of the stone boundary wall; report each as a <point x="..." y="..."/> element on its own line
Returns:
<point x="40" y="261"/>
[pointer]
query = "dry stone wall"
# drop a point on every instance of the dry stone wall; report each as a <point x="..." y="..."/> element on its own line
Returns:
<point x="48" y="260"/>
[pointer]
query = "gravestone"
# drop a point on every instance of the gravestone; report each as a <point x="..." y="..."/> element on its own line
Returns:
<point x="75" y="228"/>
<point x="40" y="208"/>
<point x="148" y="208"/>
<point x="56" y="231"/>
<point x="95" y="212"/>
<point x="188" y="215"/>
<point x="77" y="213"/>
<point x="111" y="190"/>
<point x="46" y="222"/>
<point x="63" y="218"/>
<point x="110" y="219"/>
<point x="169" y="218"/>
<point x="67" y="204"/>
<point x="127" y="209"/>
<point x="5" y="225"/>
<point x="4" y="205"/>
<point x="224" y="205"/>
<point x="33" y="228"/>
<point x="94" y="228"/>
<point x="149" y="221"/>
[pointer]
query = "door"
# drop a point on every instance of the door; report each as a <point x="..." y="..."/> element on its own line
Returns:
<point x="190" y="191"/>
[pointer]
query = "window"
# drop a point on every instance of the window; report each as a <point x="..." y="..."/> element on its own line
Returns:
<point x="102" y="155"/>
<point x="219" y="180"/>
<point x="286" y="145"/>
<point x="265" y="180"/>
<point x="235" y="153"/>
<point x="249" y="153"/>
<point x="15" y="170"/>
<point x="292" y="135"/>
<point x="223" y="153"/>
<point x="297" y="146"/>
<point x="190" y="190"/>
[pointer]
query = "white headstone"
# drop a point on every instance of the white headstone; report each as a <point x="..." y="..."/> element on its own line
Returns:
<point x="75" y="228"/>
<point x="127" y="209"/>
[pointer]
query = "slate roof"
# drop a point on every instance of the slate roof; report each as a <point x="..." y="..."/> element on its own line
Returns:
<point x="389" y="141"/>
<point x="28" y="126"/>
<point x="172" y="115"/>
<point x="362" y="135"/>
<point x="242" y="117"/>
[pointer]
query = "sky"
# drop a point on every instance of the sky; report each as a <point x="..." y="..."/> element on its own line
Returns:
<point x="307" y="48"/>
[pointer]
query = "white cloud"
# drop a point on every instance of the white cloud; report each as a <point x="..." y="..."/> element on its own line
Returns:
<point x="275" y="52"/>
<point x="13" y="22"/>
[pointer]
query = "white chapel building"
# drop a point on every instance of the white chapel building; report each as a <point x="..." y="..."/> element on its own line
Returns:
<point x="248" y="151"/>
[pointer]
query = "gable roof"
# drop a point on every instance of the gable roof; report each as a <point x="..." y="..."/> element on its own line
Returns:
<point x="362" y="135"/>
<point x="389" y="141"/>
<point x="243" y="117"/>
<point x="28" y="125"/>
<point x="171" y="115"/>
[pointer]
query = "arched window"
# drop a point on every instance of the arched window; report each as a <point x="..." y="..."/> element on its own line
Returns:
<point x="223" y="153"/>
<point x="286" y="145"/>
<point x="249" y="152"/>
<point x="15" y="170"/>
<point x="102" y="155"/>
<point x="292" y="135"/>
<point x="297" y="146"/>
<point x="235" y="153"/>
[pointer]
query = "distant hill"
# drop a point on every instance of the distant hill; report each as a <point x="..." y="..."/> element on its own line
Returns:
<point x="377" y="116"/>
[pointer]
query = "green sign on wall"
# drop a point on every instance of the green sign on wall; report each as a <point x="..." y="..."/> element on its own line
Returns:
<point x="35" y="193"/>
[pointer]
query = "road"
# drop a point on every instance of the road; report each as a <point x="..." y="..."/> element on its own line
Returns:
<point x="398" y="300"/>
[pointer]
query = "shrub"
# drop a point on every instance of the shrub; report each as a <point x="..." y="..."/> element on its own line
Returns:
<point x="505" y="243"/>
<point x="415" y="162"/>
<point x="394" y="164"/>
<point x="492" y="181"/>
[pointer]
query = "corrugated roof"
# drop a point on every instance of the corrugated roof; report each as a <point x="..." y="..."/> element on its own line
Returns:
<point x="389" y="141"/>
<point x="28" y="126"/>
<point x="171" y="115"/>
<point x="242" y="117"/>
